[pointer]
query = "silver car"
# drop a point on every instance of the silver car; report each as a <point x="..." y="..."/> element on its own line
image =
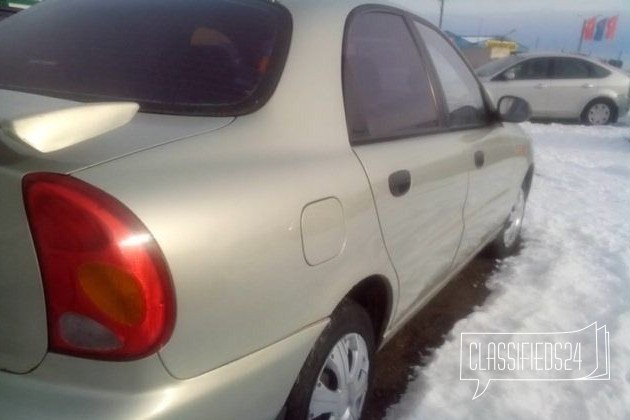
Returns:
<point x="220" y="211"/>
<point x="561" y="86"/>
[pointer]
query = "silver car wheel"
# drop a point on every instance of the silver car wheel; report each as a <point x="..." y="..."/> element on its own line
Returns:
<point x="515" y="221"/>
<point x="342" y="383"/>
<point x="599" y="114"/>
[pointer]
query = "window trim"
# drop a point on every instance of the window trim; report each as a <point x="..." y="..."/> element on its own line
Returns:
<point x="438" y="82"/>
<point x="444" y="126"/>
<point x="381" y="9"/>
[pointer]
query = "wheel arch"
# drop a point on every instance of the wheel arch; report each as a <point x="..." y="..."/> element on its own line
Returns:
<point x="527" y="181"/>
<point x="375" y="295"/>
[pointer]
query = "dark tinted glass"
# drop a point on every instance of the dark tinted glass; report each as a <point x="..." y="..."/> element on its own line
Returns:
<point x="574" y="68"/>
<point x="5" y="12"/>
<point x="386" y="87"/>
<point x="192" y="56"/>
<point x="493" y="67"/>
<point x="536" y="68"/>
<point x="599" y="72"/>
<point x="461" y="89"/>
<point x="571" y="68"/>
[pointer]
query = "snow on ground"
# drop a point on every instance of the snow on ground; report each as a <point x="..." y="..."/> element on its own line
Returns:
<point x="574" y="270"/>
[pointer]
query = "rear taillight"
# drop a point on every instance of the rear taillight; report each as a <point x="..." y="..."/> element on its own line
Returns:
<point x="108" y="290"/>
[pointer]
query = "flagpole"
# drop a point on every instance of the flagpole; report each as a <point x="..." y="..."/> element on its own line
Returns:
<point x="581" y="36"/>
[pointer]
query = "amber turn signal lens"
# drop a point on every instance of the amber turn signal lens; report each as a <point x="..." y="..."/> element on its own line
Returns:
<point x="116" y="293"/>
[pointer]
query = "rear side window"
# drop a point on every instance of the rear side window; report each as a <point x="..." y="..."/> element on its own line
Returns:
<point x="220" y="57"/>
<point x="461" y="89"/>
<point x="571" y="68"/>
<point x="574" y="68"/>
<point x="599" y="72"/>
<point x="386" y="87"/>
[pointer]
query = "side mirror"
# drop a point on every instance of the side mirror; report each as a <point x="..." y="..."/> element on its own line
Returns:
<point x="513" y="109"/>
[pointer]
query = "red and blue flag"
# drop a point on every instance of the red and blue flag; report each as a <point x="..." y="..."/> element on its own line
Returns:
<point x="600" y="29"/>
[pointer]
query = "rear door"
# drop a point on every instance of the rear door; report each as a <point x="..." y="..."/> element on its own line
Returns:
<point x="417" y="170"/>
<point x="574" y="84"/>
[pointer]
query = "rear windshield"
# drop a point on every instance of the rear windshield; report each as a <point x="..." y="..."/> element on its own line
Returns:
<point x="208" y="57"/>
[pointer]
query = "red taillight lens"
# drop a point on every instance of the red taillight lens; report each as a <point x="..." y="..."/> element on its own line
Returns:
<point x="108" y="290"/>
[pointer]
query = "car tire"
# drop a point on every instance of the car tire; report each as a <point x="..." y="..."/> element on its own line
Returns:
<point x="337" y="375"/>
<point x="508" y="240"/>
<point x="599" y="112"/>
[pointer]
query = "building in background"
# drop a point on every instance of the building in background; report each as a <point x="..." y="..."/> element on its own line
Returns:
<point x="481" y="49"/>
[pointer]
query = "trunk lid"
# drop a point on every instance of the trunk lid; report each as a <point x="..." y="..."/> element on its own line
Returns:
<point x="142" y="132"/>
<point x="23" y="329"/>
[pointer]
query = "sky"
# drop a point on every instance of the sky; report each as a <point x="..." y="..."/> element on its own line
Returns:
<point x="541" y="25"/>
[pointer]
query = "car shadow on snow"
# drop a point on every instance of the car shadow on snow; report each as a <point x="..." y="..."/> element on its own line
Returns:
<point x="397" y="362"/>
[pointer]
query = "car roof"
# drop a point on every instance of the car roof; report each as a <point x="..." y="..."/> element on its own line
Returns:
<point x="345" y="6"/>
<point x="566" y="55"/>
<point x="520" y="57"/>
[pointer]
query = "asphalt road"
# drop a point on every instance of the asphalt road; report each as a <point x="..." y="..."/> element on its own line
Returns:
<point x="410" y="347"/>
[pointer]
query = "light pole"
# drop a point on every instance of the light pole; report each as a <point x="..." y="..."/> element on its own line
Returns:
<point x="479" y="28"/>
<point x="441" y="12"/>
<point x="507" y="34"/>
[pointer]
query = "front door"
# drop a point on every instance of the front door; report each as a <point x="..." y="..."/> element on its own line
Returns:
<point x="490" y="190"/>
<point x="530" y="80"/>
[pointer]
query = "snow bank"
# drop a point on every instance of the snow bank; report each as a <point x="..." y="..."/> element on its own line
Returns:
<point x="574" y="270"/>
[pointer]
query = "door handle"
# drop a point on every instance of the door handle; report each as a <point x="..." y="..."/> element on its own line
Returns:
<point x="400" y="183"/>
<point x="480" y="158"/>
<point x="588" y="86"/>
<point x="540" y="86"/>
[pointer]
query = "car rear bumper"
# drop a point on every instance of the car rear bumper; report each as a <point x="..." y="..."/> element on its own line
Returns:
<point x="623" y="102"/>
<point x="254" y="387"/>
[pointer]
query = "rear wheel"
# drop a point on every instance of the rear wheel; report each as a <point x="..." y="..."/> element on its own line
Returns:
<point x="599" y="112"/>
<point x="336" y="378"/>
